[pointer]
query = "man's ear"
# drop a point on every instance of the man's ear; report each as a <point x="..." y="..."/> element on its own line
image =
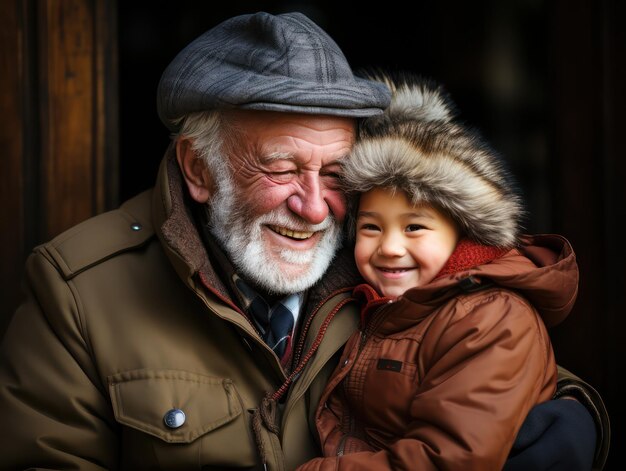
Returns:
<point x="194" y="170"/>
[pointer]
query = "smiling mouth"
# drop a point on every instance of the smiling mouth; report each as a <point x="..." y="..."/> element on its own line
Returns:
<point x="394" y="270"/>
<point x="297" y="235"/>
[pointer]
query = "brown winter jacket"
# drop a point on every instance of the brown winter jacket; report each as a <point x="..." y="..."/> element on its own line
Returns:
<point x="119" y="328"/>
<point x="443" y="377"/>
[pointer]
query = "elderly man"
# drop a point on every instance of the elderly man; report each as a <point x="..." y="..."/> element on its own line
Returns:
<point x="194" y="327"/>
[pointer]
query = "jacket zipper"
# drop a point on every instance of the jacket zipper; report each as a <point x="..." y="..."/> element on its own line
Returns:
<point x="342" y="445"/>
<point x="301" y="363"/>
<point x="305" y="328"/>
<point x="377" y="319"/>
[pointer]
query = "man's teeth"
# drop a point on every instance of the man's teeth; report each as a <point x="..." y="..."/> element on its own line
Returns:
<point x="289" y="233"/>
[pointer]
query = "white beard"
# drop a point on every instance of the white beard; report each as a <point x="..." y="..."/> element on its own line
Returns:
<point x="242" y="239"/>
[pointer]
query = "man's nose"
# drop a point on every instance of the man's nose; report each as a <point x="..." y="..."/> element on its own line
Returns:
<point x="309" y="202"/>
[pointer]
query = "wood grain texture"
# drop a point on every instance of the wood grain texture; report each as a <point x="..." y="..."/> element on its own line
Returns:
<point x="58" y="76"/>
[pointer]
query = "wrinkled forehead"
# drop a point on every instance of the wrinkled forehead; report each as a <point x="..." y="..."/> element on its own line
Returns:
<point x="276" y="120"/>
<point x="278" y="135"/>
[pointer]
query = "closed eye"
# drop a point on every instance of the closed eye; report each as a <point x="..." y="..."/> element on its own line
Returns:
<point x="331" y="176"/>
<point x="283" y="176"/>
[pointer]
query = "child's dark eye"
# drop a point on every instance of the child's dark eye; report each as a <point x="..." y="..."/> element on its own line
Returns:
<point x="413" y="227"/>
<point x="369" y="227"/>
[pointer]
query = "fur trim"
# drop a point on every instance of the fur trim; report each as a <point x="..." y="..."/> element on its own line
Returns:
<point x="416" y="147"/>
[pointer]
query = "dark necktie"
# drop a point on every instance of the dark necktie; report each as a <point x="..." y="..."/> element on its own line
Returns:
<point x="281" y="326"/>
<point x="274" y="322"/>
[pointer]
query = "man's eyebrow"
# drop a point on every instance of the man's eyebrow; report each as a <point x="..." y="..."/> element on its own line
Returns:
<point x="273" y="156"/>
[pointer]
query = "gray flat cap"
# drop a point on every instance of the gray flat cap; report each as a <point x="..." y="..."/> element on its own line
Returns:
<point x="266" y="62"/>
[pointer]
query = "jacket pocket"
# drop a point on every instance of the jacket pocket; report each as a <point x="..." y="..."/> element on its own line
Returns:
<point x="142" y="399"/>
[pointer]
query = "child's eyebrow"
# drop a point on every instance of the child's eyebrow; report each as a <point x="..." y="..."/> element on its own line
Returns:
<point x="367" y="214"/>
<point x="418" y="214"/>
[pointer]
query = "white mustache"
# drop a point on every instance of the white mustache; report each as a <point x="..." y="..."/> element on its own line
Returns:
<point x="294" y="223"/>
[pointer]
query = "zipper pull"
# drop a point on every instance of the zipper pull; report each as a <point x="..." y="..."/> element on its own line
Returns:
<point x="362" y="340"/>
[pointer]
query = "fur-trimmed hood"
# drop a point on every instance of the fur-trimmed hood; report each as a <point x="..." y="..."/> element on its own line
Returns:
<point x="416" y="146"/>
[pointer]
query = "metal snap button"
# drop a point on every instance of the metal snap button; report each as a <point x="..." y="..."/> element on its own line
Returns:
<point x="174" y="418"/>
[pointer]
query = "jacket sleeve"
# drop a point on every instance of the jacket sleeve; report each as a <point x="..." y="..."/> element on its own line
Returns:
<point x="482" y="367"/>
<point x="50" y="392"/>
<point x="571" y="385"/>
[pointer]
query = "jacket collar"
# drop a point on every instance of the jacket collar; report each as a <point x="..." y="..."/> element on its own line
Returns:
<point x="175" y="227"/>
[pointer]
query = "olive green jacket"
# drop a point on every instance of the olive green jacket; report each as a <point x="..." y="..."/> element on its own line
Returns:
<point x="126" y="322"/>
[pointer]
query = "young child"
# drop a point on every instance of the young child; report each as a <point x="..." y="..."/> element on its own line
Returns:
<point x="452" y="353"/>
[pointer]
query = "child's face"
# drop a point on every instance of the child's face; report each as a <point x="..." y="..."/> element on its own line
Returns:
<point x="398" y="245"/>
